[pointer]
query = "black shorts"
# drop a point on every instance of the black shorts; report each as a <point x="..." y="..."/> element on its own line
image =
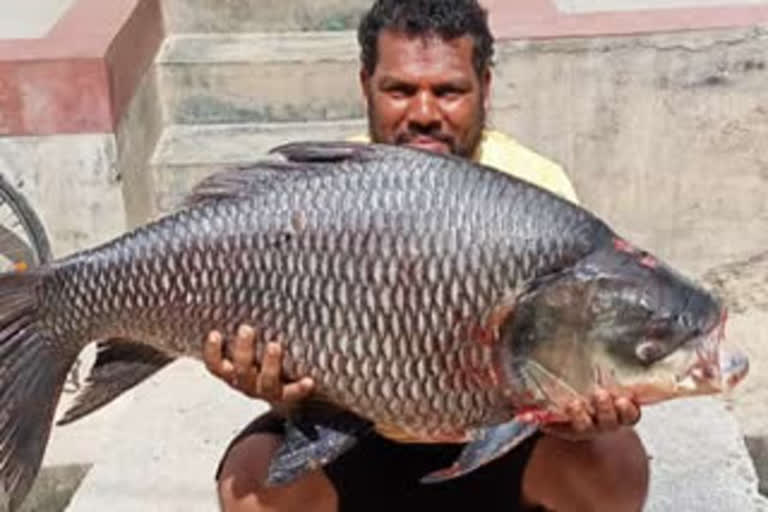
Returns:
<point x="381" y="475"/>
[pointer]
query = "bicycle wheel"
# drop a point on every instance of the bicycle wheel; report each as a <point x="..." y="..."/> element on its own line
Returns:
<point x="23" y="240"/>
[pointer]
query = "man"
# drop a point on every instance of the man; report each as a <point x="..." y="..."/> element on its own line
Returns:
<point x="426" y="79"/>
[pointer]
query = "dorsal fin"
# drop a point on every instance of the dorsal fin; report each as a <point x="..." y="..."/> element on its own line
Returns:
<point x="298" y="160"/>
<point x="243" y="182"/>
<point x="328" y="152"/>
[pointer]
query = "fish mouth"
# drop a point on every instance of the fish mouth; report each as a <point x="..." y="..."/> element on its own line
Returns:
<point x="714" y="369"/>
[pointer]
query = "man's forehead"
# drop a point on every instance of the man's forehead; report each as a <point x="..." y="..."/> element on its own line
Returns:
<point x="399" y="52"/>
<point x="425" y="38"/>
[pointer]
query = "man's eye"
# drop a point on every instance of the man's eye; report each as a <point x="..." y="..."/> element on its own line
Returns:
<point x="448" y="92"/>
<point x="398" y="92"/>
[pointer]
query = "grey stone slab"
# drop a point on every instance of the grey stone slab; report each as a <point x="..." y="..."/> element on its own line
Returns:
<point x="137" y="135"/>
<point x="303" y="47"/>
<point x="238" y="143"/>
<point x="186" y="154"/>
<point x="262" y="15"/>
<point x="758" y="450"/>
<point x="72" y="182"/>
<point x="54" y="488"/>
<point x="260" y="78"/>
<point x="699" y="458"/>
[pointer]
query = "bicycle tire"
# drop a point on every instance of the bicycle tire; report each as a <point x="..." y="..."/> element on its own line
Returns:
<point x="29" y="220"/>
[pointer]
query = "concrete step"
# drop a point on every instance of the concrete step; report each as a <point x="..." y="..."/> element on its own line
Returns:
<point x="261" y="77"/>
<point x="185" y="154"/>
<point x="261" y="15"/>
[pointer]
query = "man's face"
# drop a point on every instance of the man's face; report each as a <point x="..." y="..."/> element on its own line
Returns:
<point x="425" y="93"/>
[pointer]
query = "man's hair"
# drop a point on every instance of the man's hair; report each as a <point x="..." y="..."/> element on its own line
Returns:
<point x="446" y="18"/>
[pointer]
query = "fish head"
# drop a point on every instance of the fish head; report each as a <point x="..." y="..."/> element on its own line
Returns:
<point x="622" y="320"/>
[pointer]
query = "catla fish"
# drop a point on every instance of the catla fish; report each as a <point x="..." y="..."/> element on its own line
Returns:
<point x="430" y="298"/>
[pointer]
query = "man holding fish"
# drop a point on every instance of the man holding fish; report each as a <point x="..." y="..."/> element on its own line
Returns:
<point x="426" y="76"/>
<point x="473" y="336"/>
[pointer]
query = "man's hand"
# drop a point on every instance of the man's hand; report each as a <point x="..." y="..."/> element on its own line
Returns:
<point x="605" y="413"/>
<point x="242" y="372"/>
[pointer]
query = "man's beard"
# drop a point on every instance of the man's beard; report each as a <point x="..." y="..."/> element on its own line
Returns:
<point x="466" y="149"/>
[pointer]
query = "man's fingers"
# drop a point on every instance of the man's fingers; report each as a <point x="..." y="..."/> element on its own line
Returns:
<point x="242" y="372"/>
<point x="580" y="419"/>
<point x="248" y="383"/>
<point x="242" y="351"/>
<point x="298" y="390"/>
<point x="607" y="417"/>
<point x="212" y="355"/>
<point x="227" y="371"/>
<point x="629" y="413"/>
<point x="268" y="384"/>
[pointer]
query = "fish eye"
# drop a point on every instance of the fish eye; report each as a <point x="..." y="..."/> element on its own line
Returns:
<point x="649" y="351"/>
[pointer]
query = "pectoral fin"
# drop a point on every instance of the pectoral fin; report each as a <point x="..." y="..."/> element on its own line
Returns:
<point x="489" y="444"/>
<point x="308" y="446"/>
<point x="546" y="386"/>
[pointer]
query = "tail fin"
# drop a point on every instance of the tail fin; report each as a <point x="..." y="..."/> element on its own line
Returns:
<point x="32" y="374"/>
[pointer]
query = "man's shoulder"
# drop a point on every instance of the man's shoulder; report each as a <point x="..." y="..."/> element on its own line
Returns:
<point x="503" y="152"/>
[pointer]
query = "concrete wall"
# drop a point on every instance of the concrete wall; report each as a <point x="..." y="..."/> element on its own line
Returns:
<point x="663" y="135"/>
<point x="73" y="184"/>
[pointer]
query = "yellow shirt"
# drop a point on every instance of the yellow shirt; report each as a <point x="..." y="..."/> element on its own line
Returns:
<point x="506" y="154"/>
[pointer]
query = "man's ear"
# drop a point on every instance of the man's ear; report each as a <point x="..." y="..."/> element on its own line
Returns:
<point x="485" y="84"/>
<point x="365" y="83"/>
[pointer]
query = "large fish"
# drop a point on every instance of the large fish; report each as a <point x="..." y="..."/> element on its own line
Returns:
<point x="430" y="298"/>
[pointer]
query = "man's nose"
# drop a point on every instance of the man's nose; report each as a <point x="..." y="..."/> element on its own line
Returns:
<point x="424" y="110"/>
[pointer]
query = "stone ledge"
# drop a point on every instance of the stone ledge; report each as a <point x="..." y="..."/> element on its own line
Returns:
<point x="699" y="461"/>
